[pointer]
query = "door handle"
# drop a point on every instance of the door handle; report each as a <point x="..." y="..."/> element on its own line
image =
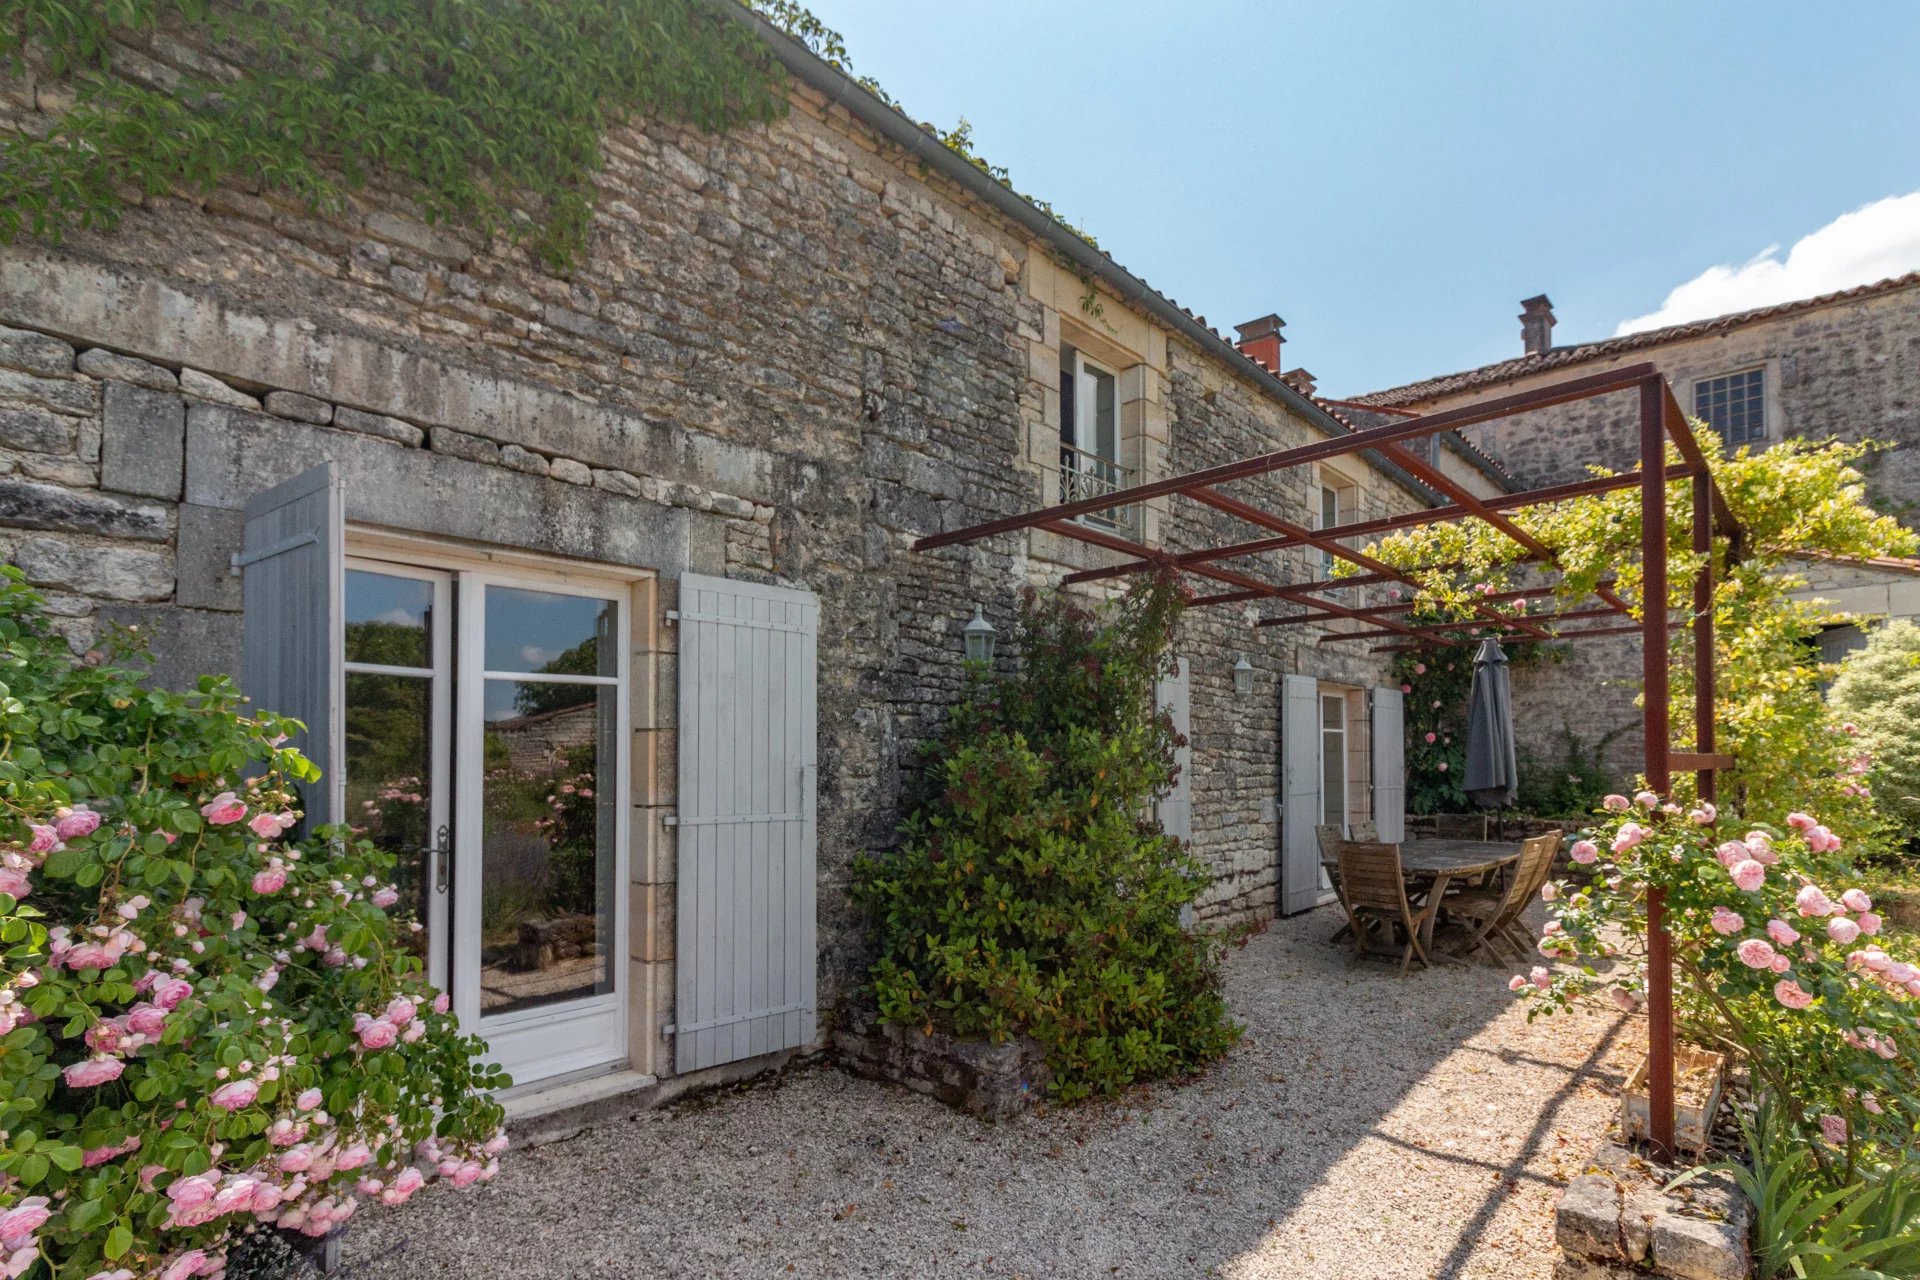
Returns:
<point x="439" y="853"/>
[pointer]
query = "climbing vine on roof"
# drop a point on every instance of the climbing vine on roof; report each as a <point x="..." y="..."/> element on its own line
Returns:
<point x="493" y="113"/>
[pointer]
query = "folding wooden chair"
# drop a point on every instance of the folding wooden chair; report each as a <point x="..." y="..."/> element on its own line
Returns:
<point x="1374" y="892"/>
<point x="1496" y="913"/>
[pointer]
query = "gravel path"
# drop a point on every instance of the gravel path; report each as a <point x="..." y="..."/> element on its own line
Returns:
<point x="1366" y="1127"/>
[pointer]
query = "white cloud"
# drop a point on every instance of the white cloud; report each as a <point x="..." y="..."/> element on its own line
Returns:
<point x="1873" y="242"/>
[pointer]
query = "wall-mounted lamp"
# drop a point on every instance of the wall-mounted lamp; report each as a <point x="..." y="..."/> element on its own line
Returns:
<point x="1243" y="676"/>
<point x="979" y="634"/>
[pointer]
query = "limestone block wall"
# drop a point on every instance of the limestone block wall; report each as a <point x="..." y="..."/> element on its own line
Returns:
<point x="786" y="354"/>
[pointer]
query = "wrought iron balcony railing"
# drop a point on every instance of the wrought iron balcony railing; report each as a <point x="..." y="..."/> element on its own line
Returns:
<point x="1088" y="475"/>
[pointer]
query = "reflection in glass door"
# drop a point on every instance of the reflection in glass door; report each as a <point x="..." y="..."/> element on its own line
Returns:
<point x="541" y="726"/>
<point x="399" y="699"/>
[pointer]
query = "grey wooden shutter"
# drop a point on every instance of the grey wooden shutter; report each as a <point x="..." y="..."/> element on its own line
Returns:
<point x="1302" y="880"/>
<point x="293" y="573"/>
<point x="1175" y="809"/>
<point x="1390" y="764"/>
<point x="746" y="950"/>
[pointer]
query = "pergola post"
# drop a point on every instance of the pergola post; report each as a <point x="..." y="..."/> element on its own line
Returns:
<point x="1658" y="700"/>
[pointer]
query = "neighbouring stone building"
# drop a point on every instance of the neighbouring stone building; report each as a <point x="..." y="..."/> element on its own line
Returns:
<point x="1844" y="365"/>
<point x="667" y="499"/>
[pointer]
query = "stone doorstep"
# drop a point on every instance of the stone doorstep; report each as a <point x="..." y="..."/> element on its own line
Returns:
<point x="539" y="1116"/>
<point x="1619" y="1221"/>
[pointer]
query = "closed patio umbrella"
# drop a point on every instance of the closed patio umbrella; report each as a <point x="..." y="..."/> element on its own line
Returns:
<point x="1492" y="778"/>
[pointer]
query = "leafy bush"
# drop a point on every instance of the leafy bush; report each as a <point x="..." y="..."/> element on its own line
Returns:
<point x="1802" y="984"/>
<point x="1033" y="894"/>
<point x="203" y="1026"/>
<point x="1877" y="694"/>
<point x="1574" y="781"/>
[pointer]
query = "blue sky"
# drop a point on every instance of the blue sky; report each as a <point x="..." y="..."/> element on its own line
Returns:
<point x="1393" y="176"/>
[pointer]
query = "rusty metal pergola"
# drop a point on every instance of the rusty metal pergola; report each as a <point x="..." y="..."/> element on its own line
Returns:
<point x="1660" y="422"/>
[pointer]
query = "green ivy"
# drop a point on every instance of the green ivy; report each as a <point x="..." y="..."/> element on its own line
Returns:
<point x="1034" y="893"/>
<point x="493" y="112"/>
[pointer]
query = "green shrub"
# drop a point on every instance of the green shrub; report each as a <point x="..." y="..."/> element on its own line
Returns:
<point x="1877" y="692"/>
<point x="1033" y="893"/>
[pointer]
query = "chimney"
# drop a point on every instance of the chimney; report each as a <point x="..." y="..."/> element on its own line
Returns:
<point x="1300" y="380"/>
<point x="1536" y="324"/>
<point x="1260" y="341"/>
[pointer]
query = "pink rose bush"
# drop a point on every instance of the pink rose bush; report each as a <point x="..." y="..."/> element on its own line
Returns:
<point x="1773" y="961"/>
<point x="178" y="1062"/>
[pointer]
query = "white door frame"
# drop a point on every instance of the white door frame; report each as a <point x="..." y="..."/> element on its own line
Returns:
<point x="439" y="747"/>
<point x="549" y="1043"/>
<point x="1346" y="791"/>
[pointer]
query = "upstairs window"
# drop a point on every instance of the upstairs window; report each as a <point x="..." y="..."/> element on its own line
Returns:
<point x="1339" y="499"/>
<point x="1734" y="405"/>
<point x="1090" y="438"/>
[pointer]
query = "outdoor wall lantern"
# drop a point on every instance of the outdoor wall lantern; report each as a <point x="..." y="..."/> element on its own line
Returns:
<point x="1243" y="677"/>
<point x="979" y="634"/>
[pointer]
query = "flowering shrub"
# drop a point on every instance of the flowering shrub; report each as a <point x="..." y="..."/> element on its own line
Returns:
<point x="1772" y="961"/>
<point x="204" y="1026"/>
<point x="1034" y="893"/>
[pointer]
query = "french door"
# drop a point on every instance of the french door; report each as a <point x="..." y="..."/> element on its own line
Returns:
<point x="486" y="748"/>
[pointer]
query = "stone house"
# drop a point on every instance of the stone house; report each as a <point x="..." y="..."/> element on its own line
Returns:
<point x="410" y="485"/>
<point x="1843" y="365"/>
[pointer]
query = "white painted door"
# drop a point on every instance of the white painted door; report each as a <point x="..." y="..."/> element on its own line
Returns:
<point x="1175" y="809"/>
<point x="1303" y="883"/>
<point x="745" y="951"/>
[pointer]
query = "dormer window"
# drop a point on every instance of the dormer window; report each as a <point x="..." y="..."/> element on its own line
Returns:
<point x="1734" y="405"/>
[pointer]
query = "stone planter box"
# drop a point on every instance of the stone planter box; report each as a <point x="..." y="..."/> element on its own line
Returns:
<point x="991" y="1081"/>
<point x="1692" y="1120"/>
<point x="1615" y="1222"/>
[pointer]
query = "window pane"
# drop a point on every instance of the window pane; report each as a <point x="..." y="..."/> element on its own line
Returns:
<point x="547" y="844"/>
<point x="1333" y="775"/>
<point x="544" y="631"/>
<point x="1106" y="432"/>
<point x="389" y="619"/>
<point x="389" y="771"/>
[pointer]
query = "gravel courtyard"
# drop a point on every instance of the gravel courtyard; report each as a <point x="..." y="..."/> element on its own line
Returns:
<point x="1365" y="1127"/>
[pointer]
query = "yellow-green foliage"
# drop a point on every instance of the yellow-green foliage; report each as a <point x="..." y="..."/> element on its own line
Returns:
<point x="1878" y="692"/>
<point x="1795" y="501"/>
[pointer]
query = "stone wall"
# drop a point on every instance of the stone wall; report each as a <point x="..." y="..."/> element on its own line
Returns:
<point x="786" y="354"/>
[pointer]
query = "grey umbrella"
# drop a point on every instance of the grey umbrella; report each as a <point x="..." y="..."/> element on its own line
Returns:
<point x="1492" y="778"/>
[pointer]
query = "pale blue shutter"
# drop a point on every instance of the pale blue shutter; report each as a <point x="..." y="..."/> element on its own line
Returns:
<point x="1302" y="881"/>
<point x="1175" y="809"/>
<point x="746" y="951"/>
<point x="1390" y="764"/>
<point x="293" y="573"/>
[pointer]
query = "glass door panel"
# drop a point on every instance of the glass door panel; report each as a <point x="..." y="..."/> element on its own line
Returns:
<point x="398" y="649"/>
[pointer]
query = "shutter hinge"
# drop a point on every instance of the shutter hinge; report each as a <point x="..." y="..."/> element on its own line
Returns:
<point x="241" y="559"/>
<point x="670" y="821"/>
<point x="673" y="616"/>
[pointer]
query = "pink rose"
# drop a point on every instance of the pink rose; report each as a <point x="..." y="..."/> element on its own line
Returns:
<point x="93" y="1071"/>
<point x="223" y="809"/>
<point x="1585" y="851"/>
<point x="1788" y="993"/>
<point x="1616" y="804"/>
<point x="1782" y="932"/>
<point x="265" y="825"/>
<point x="296" y="1160"/>
<point x="1780" y="964"/>
<point x="270" y="881"/>
<point x="169" y="992"/>
<point x="1732" y="852"/>
<point x="22" y="1220"/>
<point x="1855" y="900"/>
<point x="235" y="1094"/>
<point x="1749" y="875"/>
<point x="1706" y="815"/>
<point x="1842" y="930"/>
<point x="409" y="1181"/>
<point x="1869" y="923"/>
<point x="400" y="1011"/>
<point x="1755" y="953"/>
<point x="76" y="823"/>
<point x="378" y="1033"/>
<point x="1834" y="1130"/>
<point x="14" y="883"/>
<point x="309" y="1099"/>
<point x="494" y="1145"/>
<point x="384" y="898"/>
<point x="1646" y="799"/>
<point x="441" y="1003"/>
<point x="1800" y="821"/>
<point x="1629" y="835"/>
<point x="186" y="1266"/>
<point x="1517" y="983"/>
<point x="1549" y="892"/>
<point x="353" y="1157"/>
<point x="45" y="838"/>
<point x="1812" y="902"/>
<point x="1540" y="978"/>
<point x="1727" y="923"/>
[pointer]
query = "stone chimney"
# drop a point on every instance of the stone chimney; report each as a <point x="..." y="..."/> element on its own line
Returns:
<point x="1259" y="340"/>
<point x="1536" y="324"/>
<point x="1300" y="380"/>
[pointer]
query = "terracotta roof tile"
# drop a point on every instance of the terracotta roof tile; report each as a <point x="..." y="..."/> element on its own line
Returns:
<point x="1561" y="357"/>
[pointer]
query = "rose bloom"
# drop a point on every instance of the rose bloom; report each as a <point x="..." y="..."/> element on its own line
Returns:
<point x="1646" y="799"/>
<point x="309" y="1099"/>
<point x="1705" y="815"/>
<point x="441" y="1003"/>
<point x="1788" y="993"/>
<point x="1749" y="875"/>
<point x="378" y="1033"/>
<point x="1540" y="978"/>
<point x="1855" y="900"/>
<point x="385" y="897"/>
<point x="1755" y="953"/>
<point x="1549" y="892"/>
<point x="271" y="880"/>
<point x="1732" y="852"/>
<point x="1834" y="1130"/>
<point x="1842" y="930"/>
<point x="1727" y="923"/>
<point x="1629" y="835"/>
<point x="1869" y="923"/>
<point x="235" y="1094"/>
<point x="45" y="838"/>
<point x="169" y="992"/>
<point x="1801" y="822"/>
<point x="1782" y="932"/>
<point x="91" y="1072"/>
<point x="1616" y="803"/>
<point x="14" y="883"/>
<point x="76" y="823"/>
<point x="23" y="1219"/>
<point x="1812" y="902"/>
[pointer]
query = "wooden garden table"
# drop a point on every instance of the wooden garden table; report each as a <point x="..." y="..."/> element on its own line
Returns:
<point x="1436" y="863"/>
